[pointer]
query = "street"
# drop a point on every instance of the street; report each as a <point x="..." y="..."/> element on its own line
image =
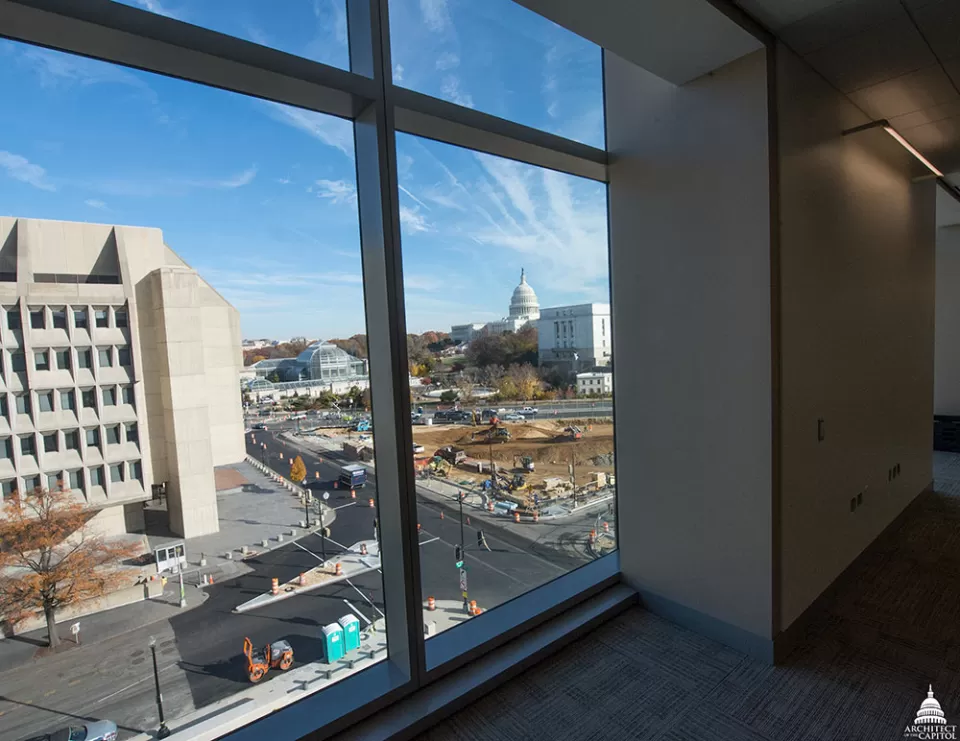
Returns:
<point x="200" y="649"/>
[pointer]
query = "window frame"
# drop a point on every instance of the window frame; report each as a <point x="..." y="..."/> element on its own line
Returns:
<point x="136" y="38"/>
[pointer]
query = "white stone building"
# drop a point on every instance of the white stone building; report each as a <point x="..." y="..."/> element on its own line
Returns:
<point x="120" y="369"/>
<point x="600" y="383"/>
<point x="524" y="309"/>
<point x="575" y="338"/>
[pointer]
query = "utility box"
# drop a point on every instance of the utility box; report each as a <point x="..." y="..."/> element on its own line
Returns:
<point x="350" y="625"/>
<point x="332" y="642"/>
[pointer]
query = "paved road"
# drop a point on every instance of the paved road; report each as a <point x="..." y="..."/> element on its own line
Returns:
<point x="199" y="650"/>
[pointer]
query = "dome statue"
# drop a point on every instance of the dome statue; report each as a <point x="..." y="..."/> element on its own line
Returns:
<point x="930" y="712"/>
<point x="524" y="303"/>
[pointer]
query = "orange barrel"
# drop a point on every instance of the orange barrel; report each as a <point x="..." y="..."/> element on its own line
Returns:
<point x="431" y="603"/>
<point x="274" y="586"/>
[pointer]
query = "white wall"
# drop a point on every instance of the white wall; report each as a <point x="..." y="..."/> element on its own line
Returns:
<point x="690" y="240"/>
<point x="946" y="399"/>
<point x="857" y="303"/>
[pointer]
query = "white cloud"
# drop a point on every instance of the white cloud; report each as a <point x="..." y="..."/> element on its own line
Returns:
<point x="330" y="130"/>
<point x="22" y="169"/>
<point x="239" y="180"/>
<point x="450" y="88"/>
<point x="283" y="181"/>
<point x="447" y="60"/>
<point x="412" y="197"/>
<point x="155" y="6"/>
<point x="413" y="220"/>
<point x="54" y="68"/>
<point x="435" y="14"/>
<point x="337" y="191"/>
<point x="95" y="203"/>
<point x="398" y="73"/>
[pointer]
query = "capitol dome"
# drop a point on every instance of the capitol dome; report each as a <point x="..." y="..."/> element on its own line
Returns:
<point x="524" y="304"/>
<point x="930" y="712"/>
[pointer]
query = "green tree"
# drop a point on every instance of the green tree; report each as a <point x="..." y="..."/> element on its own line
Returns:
<point x="449" y="396"/>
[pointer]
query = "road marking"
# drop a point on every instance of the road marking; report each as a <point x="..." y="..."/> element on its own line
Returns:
<point x="365" y="598"/>
<point x="348" y="504"/>
<point x="424" y="542"/>
<point x="132" y="684"/>
<point x="307" y="550"/>
<point x="359" y="614"/>
<point x="479" y="560"/>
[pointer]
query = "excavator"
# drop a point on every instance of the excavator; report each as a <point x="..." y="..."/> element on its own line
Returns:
<point x="527" y="464"/>
<point x="439" y="467"/>
<point x="276" y="655"/>
<point x="573" y="432"/>
<point x="494" y="433"/>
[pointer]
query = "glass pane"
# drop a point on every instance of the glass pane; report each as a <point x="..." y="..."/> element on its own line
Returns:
<point x="499" y="423"/>
<point x="240" y="220"/>
<point x="316" y="30"/>
<point x="502" y="59"/>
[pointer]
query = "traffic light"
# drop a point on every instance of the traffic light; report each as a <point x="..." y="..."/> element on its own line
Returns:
<point x="458" y="555"/>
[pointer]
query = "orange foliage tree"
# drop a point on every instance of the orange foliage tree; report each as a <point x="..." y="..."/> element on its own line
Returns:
<point x="298" y="471"/>
<point x="50" y="560"/>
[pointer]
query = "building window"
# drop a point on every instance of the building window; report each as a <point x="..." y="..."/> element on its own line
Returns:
<point x="116" y="473"/>
<point x="8" y="488"/>
<point x="133" y="435"/>
<point x="123" y="356"/>
<point x="18" y="361"/>
<point x="13" y="317"/>
<point x="38" y="319"/>
<point x="105" y="357"/>
<point x="6" y="448"/>
<point x="23" y="403"/>
<point x="109" y="397"/>
<point x="71" y="440"/>
<point x="50" y="442"/>
<point x="27" y="446"/>
<point x="59" y="318"/>
<point x="31" y="483"/>
<point x="120" y="318"/>
<point x="101" y="317"/>
<point x="45" y="400"/>
<point x="93" y="437"/>
<point x="88" y="398"/>
<point x="54" y="481"/>
<point x="80" y="318"/>
<point x="136" y="471"/>
<point x="3" y="405"/>
<point x="127" y="394"/>
<point x="76" y="480"/>
<point x="63" y="359"/>
<point x="113" y="435"/>
<point x="84" y="358"/>
<point x="41" y="360"/>
<point x="96" y="476"/>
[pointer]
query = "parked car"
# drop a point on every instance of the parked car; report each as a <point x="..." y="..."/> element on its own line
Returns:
<point x="259" y="426"/>
<point x="528" y="410"/>
<point x="418" y="448"/>
<point x="514" y="417"/>
<point x="99" y="730"/>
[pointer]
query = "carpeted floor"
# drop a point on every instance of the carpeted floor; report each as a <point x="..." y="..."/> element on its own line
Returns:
<point x="861" y="673"/>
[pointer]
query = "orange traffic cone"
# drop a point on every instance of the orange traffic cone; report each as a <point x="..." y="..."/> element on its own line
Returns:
<point x="516" y="517"/>
<point x="353" y="493"/>
<point x="371" y="502"/>
<point x="606" y="527"/>
<point x="274" y="586"/>
<point x="431" y="603"/>
<point x="339" y="571"/>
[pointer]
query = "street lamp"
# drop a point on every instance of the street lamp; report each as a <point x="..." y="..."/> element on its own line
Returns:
<point x="263" y="453"/>
<point x="306" y="506"/>
<point x="163" y="731"/>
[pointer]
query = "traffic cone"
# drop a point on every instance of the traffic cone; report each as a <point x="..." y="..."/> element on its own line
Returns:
<point x="441" y="514"/>
<point x="363" y="549"/>
<point x="353" y="493"/>
<point x="536" y="517"/>
<point x="473" y="607"/>
<point x="370" y="502"/>
<point x="316" y="474"/>
<point x="468" y="520"/>
<point x="516" y="517"/>
<point x="431" y="604"/>
<point x="339" y="571"/>
<point x="418" y="527"/>
<point x="274" y="586"/>
<point x="336" y="484"/>
<point x="303" y="580"/>
<point x="606" y="527"/>
<point x="490" y="506"/>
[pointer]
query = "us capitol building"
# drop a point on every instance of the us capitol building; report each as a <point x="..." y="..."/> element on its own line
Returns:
<point x="524" y="309"/>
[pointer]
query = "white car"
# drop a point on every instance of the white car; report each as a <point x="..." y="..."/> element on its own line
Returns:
<point x="418" y="448"/>
<point x="514" y="417"/>
<point x="528" y="410"/>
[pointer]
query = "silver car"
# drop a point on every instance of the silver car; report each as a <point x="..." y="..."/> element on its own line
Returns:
<point x="98" y="730"/>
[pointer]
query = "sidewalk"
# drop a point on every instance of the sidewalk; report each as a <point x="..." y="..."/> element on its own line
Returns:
<point x="258" y="516"/>
<point x="352" y="563"/>
<point x="16" y="651"/>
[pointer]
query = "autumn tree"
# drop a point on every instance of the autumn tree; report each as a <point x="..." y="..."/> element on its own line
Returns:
<point x="50" y="558"/>
<point x="298" y="471"/>
<point x="524" y="380"/>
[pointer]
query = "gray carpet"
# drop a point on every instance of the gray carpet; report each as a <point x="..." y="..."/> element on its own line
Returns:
<point x="860" y="673"/>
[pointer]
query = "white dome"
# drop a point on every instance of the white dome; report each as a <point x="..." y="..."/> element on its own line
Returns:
<point x="524" y="304"/>
<point x="930" y="712"/>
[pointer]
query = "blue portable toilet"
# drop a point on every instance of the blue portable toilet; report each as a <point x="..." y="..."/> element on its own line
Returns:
<point x="332" y="642"/>
<point x="351" y="632"/>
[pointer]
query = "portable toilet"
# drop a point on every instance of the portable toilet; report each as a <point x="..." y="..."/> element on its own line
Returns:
<point x="351" y="632"/>
<point x="332" y="642"/>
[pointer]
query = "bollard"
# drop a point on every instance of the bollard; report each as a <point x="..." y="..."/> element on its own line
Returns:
<point x="279" y="537"/>
<point x="363" y="549"/>
<point x="228" y="555"/>
<point x="274" y="586"/>
<point x="370" y="502"/>
<point x="339" y="571"/>
<point x="303" y="580"/>
<point x="431" y="604"/>
<point x="264" y="543"/>
<point x="516" y="517"/>
<point x="353" y="493"/>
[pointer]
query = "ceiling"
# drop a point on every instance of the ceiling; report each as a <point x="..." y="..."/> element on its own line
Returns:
<point x="895" y="59"/>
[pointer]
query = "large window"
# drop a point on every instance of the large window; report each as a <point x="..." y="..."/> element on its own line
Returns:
<point x="244" y="164"/>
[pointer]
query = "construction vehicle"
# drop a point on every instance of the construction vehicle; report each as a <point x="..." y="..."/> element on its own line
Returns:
<point x="439" y="467"/>
<point x="509" y="483"/>
<point x="451" y="454"/>
<point x="495" y="432"/>
<point x="362" y="426"/>
<point x="573" y="432"/>
<point x="526" y="463"/>
<point x="276" y="655"/>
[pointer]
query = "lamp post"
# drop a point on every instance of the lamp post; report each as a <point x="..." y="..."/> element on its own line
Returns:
<point x="163" y="731"/>
<point x="306" y="506"/>
<point x="263" y="453"/>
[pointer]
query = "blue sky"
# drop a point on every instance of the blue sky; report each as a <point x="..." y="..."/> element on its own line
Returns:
<point x="260" y="198"/>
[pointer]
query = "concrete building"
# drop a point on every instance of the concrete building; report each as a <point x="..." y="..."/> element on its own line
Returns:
<point x="119" y="370"/>
<point x="575" y="337"/>
<point x="524" y="309"/>
<point x="595" y="383"/>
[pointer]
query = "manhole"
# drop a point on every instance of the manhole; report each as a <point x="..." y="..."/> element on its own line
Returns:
<point x="138" y="661"/>
<point x="137" y="653"/>
<point x="169" y="642"/>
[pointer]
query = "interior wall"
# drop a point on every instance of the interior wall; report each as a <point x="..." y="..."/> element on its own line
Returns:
<point x="857" y="329"/>
<point x="690" y="253"/>
<point x="947" y="343"/>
